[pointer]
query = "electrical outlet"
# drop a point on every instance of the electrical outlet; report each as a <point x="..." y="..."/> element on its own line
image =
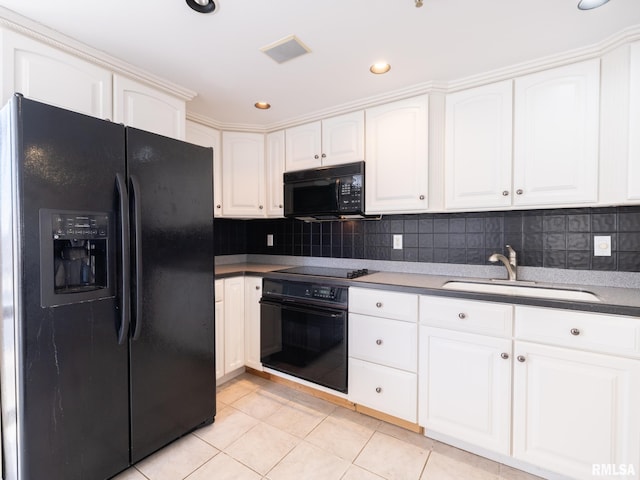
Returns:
<point x="602" y="246"/>
<point x="397" y="242"/>
<point x="269" y="239"/>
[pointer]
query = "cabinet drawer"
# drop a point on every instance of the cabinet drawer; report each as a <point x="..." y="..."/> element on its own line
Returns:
<point x="385" y="389"/>
<point x="386" y="342"/>
<point x="219" y="290"/>
<point x="587" y="331"/>
<point x="381" y="303"/>
<point x="495" y="319"/>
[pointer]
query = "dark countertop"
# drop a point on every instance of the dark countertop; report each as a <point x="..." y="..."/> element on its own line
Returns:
<point x="613" y="300"/>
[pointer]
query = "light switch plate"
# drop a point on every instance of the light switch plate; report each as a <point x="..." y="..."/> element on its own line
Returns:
<point x="602" y="246"/>
<point x="397" y="242"/>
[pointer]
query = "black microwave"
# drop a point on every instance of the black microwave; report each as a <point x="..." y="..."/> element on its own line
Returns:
<point x="325" y="193"/>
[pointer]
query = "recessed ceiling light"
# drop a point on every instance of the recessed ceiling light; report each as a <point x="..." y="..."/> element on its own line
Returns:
<point x="262" y="105"/>
<point x="589" y="4"/>
<point x="203" y="6"/>
<point x="379" y="68"/>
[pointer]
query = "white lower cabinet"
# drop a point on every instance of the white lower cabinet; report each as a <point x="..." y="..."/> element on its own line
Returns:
<point x="465" y="378"/>
<point x="575" y="410"/>
<point x="383" y="351"/>
<point x="233" y="324"/>
<point x="252" y="294"/>
<point x="465" y="387"/>
<point x="219" y="330"/>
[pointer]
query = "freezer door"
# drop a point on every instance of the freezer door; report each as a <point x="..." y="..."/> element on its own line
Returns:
<point x="172" y="344"/>
<point x="64" y="374"/>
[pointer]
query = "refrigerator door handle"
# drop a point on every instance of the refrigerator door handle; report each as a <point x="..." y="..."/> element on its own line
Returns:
<point x="125" y="294"/>
<point x="137" y="225"/>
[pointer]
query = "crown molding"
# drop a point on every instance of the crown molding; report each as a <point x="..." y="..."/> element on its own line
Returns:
<point x="599" y="49"/>
<point x="24" y="26"/>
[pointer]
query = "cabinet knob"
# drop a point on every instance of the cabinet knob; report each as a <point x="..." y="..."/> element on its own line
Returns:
<point x="324" y="155"/>
<point x="519" y="191"/>
<point x="218" y="206"/>
<point x="575" y="331"/>
<point x="260" y="207"/>
<point x="421" y="197"/>
<point x="279" y="206"/>
<point x="316" y="157"/>
<point x="379" y="341"/>
<point x="504" y="355"/>
<point x="379" y="304"/>
<point x="462" y="316"/>
<point x="520" y="358"/>
<point x="257" y="287"/>
<point x="378" y="389"/>
<point x="505" y="193"/>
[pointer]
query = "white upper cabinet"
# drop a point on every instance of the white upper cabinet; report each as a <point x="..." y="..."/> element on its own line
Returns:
<point x="397" y="157"/>
<point x="274" y="172"/>
<point x="329" y="142"/>
<point x="478" y="146"/>
<point x="556" y="134"/>
<point x="44" y="73"/>
<point x="140" y="106"/>
<point x="209" y="137"/>
<point x="633" y="177"/>
<point x="243" y="174"/>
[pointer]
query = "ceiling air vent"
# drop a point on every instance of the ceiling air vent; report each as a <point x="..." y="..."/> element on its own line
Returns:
<point x="286" y="49"/>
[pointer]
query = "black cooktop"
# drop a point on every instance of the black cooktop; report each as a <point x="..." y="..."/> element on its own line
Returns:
<point x="328" y="272"/>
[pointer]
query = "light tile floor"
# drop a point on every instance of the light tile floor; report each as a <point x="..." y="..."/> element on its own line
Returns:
<point x="264" y="430"/>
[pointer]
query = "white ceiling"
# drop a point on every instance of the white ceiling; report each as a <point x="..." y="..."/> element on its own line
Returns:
<point x="218" y="56"/>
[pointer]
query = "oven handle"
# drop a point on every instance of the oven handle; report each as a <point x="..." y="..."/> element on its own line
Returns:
<point x="333" y="313"/>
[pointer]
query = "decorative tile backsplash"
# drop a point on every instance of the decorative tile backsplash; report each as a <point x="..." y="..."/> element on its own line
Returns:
<point x="542" y="238"/>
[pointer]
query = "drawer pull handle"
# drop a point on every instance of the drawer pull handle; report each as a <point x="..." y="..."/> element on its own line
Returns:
<point x="575" y="331"/>
<point x="379" y="341"/>
<point x="462" y="316"/>
<point x="379" y="304"/>
<point x="521" y="358"/>
<point x="378" y="389"/>
<point x="504" y="355"/>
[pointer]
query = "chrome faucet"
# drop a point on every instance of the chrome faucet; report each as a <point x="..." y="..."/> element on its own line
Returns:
<point x="511" y="263"/>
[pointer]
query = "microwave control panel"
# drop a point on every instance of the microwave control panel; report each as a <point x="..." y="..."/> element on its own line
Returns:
<point x="350" y="193"/>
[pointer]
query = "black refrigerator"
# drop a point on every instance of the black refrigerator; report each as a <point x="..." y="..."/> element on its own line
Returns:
<point x="106" y="244"/>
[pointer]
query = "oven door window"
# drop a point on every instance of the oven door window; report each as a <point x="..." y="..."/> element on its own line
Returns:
<point x="316" y="197"/>
<point x="305" y="341"/>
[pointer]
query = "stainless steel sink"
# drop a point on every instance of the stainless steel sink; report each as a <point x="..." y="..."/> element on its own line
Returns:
<point x="522" y="290"/>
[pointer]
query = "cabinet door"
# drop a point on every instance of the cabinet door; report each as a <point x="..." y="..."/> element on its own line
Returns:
<point x="219" y="332"/>
<point x="275" y="169"/>
<point x="574" y="410"/>
<point x="233" y="323"/>
<point x="556" y="135"/>
<point x="209" y="137"/>
<point x="138" y="105"/>
<point x="49" y="75"/>
<point x="343" y="139"/>
<point x="633" y="178"/>
<point x="252" y="294"/>
<point x="243" y="174"/>
<point x="397" y="157"/>
<point x="303" y="146"/>
<point x="478" y="146"/>
<point x="465" y="387"/>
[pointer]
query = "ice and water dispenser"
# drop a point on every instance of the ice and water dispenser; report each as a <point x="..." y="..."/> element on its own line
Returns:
<point x="76" y="251"/>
